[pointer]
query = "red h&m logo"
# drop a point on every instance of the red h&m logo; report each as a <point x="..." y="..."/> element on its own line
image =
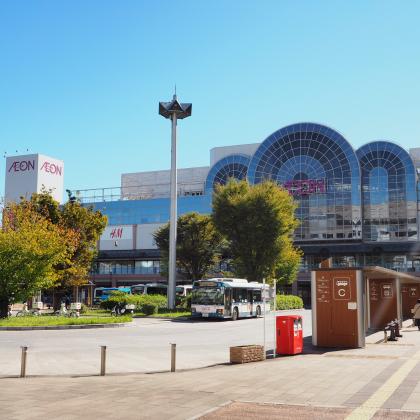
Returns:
<point x="51" y="168"/>
<point x="22" y="166"/>
<point x="116" y="233"/>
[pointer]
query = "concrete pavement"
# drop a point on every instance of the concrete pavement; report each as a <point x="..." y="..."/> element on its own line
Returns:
<point x="382" y="379"/>
<point x="143" y="346"/>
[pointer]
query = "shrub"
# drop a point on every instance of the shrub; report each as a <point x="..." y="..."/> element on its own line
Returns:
<point x="83" y="309"/>
<point x="185" y="302"/>
<point x="289" y="302"/>
<point x="149" y="308"/>
<point x="137" y="300"/>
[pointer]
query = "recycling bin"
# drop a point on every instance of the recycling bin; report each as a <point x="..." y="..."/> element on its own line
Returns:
<point x="289" y="334"/>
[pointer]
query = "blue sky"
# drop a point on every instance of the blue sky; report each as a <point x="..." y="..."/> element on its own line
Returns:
<point x="81" y="80"/>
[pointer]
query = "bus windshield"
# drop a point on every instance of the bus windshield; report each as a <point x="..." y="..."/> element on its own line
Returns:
<point x="208" y="296"/>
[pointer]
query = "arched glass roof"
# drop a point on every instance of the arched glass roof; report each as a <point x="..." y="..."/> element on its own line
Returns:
<point x="232" y="166"/>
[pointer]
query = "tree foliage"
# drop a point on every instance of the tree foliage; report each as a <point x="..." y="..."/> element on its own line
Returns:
<point x="258" y="221"/>
<point x="86" y="223"/>
<point x="198" y="244"/>
<point x="30" y="247"/>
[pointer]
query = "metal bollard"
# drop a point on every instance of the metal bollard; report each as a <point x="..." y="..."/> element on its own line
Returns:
<point x="173" y="357"/>
<point x="103" y="360"/>
<point x="23" y="361"/>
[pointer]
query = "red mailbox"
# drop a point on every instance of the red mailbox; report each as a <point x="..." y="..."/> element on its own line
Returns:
<point x="289" y="334"/>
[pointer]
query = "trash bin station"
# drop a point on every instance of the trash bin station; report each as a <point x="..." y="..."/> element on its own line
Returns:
<point x="289" y="334"/>
<point x="346" y="302"/>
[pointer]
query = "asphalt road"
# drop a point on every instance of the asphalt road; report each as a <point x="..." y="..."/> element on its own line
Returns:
<point x="143" y="346"/>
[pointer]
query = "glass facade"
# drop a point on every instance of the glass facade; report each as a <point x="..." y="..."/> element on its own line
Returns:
<point x="320" y="169"/>
<point x="156" y="210"/>
<point x="232" y="166"/>
<point x="388" y="192"/>
<point x="127" y="267"/>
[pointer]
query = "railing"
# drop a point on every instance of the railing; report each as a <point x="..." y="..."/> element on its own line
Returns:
<point x="136" y="192"/>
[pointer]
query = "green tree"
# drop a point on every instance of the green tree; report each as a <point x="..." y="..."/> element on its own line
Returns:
<point x="257" y="220"/>
<point x="288" y="266"/>
<point x="30" y="247"/>
<point x="72" y="217"/>
<point x="198" y="244"/>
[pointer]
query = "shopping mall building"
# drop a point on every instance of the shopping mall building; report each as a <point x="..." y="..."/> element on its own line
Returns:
<point x="358" y="206"/>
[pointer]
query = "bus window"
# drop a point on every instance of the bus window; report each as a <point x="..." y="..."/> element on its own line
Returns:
<point x="240" y="295"/>
<point x="256" y="296"/>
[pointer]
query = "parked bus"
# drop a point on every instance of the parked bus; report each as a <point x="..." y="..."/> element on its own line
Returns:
<point x="184" y="290"/>
<point x="149" y="289"/>
<point x="103" y="293"/>
<point x="227" y="298"/>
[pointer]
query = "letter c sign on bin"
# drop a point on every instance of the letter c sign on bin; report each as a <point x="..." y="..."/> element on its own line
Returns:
<point x="342" y="289"/>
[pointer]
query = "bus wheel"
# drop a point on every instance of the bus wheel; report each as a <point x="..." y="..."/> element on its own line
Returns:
<point x="235" y="314"/>
<point x="258" y="311"/>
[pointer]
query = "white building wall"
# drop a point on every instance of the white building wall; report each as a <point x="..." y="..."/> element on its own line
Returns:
<point x="145" y="235"/>
<point x="154" y="184"/>
<point x="218" y="153"/>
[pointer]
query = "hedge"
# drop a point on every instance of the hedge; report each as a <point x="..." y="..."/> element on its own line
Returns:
<point x="289" y="302"/>
<point x="139" y="300"/>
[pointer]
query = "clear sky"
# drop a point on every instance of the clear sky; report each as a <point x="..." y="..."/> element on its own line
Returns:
<point x="81" y="80"/>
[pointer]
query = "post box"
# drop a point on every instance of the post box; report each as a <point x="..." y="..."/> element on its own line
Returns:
<point x="289" y="334"/>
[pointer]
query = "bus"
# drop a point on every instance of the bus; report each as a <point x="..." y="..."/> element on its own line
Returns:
<point x="227" y="298"/>
<point x="183" y="290"/>
<point x="103" y="293"/>
<point x="149" y="289"/>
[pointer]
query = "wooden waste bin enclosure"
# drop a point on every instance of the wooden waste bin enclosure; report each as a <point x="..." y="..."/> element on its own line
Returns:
<point x="348" y="301"/>
<point x="383" y="302"/>
<point x="338" y="308"/>
<point x="409" y="296"/>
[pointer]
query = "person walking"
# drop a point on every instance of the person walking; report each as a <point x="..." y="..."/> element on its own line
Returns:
<point x="416" y="314"/>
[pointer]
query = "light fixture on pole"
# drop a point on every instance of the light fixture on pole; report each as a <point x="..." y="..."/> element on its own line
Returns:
<point x="173" y="111"/>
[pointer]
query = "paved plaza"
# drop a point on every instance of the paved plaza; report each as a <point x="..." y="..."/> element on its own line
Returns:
<point x="380" y="381"/>
<point x="143" y="346"/>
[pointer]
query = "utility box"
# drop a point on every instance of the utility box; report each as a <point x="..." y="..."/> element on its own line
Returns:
<point x="338" y="308"/>
<point x="289" y="334"/>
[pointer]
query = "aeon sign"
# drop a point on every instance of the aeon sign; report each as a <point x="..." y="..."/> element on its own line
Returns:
<point x="51" y="168"/>
<point x="22" y="166"/>
<point x="302" y="187"/>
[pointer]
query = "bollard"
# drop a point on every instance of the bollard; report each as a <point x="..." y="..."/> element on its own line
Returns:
<point x="23" y="362"/>
<point x="103" y="360"/>
<point x="173" y="357"/>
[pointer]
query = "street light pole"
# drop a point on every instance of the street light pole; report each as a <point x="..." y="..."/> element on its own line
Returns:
<point x="174" y="111"/>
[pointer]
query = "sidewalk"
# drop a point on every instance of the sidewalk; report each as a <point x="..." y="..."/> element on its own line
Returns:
<point x="380" y="376"/>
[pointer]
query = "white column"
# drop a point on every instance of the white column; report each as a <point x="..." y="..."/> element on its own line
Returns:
<point x="173" y="220"/>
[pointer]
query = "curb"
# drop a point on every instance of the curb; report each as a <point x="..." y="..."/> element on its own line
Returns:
<point x="65" y="327"/>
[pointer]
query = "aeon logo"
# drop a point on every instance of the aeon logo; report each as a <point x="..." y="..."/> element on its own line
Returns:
<point x="116" y="233"/>
<point x="51" y="168"/>
<point x="22" y="166"/>
<point x="306" y="187"/>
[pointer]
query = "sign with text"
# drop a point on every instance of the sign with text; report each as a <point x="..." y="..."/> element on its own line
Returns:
<point x="302" y="187"/>
<point x="117" y="237"/>
<point x="28" y="174"/>
<point x="342" y="289"/>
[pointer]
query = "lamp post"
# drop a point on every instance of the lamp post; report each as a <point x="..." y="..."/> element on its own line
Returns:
<point x="173" y="111"/>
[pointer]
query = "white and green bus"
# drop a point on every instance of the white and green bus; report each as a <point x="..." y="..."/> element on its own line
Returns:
<point x="227" y="298"/>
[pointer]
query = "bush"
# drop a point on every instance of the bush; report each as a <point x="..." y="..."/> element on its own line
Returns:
<point x="138" y="300"/>
<point x="289" y="302"/>
<point x="149" y="308"/>
<point x="83" y="309"/>
<point x="185" y="302"/>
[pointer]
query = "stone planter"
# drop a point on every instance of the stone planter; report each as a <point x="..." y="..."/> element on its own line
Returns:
<point x="246" y="354"/>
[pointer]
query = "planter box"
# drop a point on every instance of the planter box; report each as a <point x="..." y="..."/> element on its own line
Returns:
<point x="246" y="354"/>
